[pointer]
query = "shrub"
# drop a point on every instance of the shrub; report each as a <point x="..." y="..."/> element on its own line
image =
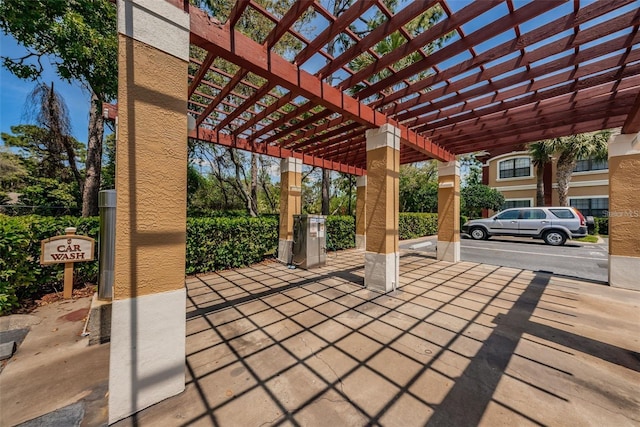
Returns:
<point x="413" y="225"/>
<point x="218" y="243"/>
<point x="21" y="275"/>
<point x="602" y="226"/>
<point x="341" y="232"/>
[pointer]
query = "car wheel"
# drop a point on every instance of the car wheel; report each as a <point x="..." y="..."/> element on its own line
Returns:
<point x="554" y="238"/>
<point x="478" y="233"/>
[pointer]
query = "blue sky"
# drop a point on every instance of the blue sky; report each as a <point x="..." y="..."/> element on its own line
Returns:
<point x="14" y="92"/>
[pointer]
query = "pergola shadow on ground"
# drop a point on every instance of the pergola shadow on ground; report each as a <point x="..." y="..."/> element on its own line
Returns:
<point x="457" y="344"/>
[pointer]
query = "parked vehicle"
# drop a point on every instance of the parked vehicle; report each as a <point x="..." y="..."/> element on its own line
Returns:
<point x="552" y="224"/>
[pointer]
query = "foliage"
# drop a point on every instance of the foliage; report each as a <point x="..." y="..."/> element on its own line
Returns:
<point x="108" y="173"/>
<point x="218" y="243"/>
<point x="413" y="225"/>
<point x="12" y="170"/>
<point x="39" y="155"/>
<point x="569" y="150"/>
<point x="79" y="37"/>
<point x="21" y="275"/>
<point x="341" y="232"/>
<point x="540" y="153"/>
<point x="475" y="197"/>
<point x="601" y="226"/>
<point x="419" y="187"/>
<point x="50" y="196"/>
<point x="473" y="166"/>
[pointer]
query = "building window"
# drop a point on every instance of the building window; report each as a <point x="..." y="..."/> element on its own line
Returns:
<point x="516" y="203"/>
<point x="584" y="165"/>
<point x="597" y="206"/>
<point x="515" y="168"/>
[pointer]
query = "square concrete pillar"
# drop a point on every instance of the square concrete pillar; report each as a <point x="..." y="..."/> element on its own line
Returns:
<point x="624" y="211"/>
<point x="147" y="351"/>
<point x="290" y="204"/>
<point x="382" y="261"/>
<point x="448" y="248"/>
<point x="361" y="197"/>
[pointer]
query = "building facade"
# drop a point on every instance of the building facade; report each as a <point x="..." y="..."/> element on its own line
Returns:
<point x="514" y="175"/>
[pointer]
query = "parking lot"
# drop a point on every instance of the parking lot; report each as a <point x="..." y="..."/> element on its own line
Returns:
<point x="575" y="259"/>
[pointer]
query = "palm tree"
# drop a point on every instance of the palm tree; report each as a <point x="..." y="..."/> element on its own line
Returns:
<point x="572" y="148"/>
<point x="540" y="153"/>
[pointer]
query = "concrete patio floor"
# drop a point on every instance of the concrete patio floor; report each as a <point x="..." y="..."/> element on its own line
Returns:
<point x="456" y="345"/>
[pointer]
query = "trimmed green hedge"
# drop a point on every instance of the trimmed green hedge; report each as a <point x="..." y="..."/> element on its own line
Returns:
<point x="413" y="225"/>
<point x="341" y="232"/>
<point x="212" y="244"/>
<point x="218" y="243"/>
<point x="21" y="275"/>
<point x="602" y="226"/>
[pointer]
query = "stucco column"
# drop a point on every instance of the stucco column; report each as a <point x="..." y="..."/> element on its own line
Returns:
<point x="624" y="211"/>
<point x="147" y="360"/>
<point x="290" y="204"/>
<point x="448" y="212"/>
<point x="381" y="268"/>
<point x="361" y="206"/>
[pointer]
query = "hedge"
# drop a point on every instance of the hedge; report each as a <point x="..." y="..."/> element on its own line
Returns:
<point x="212" y="244"/>
<point x="219" y="243"/>
<point x="21" y="275"/>
<point x="602" y="226"/>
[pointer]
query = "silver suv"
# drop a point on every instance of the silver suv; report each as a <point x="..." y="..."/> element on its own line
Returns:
<point x="552" y="224"/>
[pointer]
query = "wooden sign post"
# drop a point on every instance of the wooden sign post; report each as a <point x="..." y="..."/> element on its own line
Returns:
<point x="67" y="249"/>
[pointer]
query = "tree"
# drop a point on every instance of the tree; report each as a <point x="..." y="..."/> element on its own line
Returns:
<point x="475" y="197"/>
<point x="540" y="153"/>
<point x="572" y="148"/>
<point x="80" y="38"/>
<point x="418" y="187"/>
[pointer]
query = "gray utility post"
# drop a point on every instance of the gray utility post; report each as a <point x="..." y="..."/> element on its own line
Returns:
<point x="107" y="254"/>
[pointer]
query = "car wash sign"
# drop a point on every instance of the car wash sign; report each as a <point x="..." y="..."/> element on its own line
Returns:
<point x="68" y="248"/>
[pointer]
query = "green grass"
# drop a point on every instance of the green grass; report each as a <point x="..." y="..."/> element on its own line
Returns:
<point x="588" y="239"/>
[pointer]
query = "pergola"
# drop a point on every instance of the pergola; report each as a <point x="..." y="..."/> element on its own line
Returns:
<point x="331" y="91"/>
<point x="510" y="72"/>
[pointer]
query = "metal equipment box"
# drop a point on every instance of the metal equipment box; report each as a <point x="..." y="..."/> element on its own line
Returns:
<point x="309" y="241"/>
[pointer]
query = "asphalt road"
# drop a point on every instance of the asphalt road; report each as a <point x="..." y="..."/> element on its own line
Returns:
<point x="575" y="259"/>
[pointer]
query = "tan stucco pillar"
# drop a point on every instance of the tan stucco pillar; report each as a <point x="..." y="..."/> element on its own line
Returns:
<point x="448" y="248"/>
<point x="290" y="204"/>
<point x="381" y="268"/>
<point x="147" y="360"/>
<point x="361" y="206"/>
<point x="624" y="211"/>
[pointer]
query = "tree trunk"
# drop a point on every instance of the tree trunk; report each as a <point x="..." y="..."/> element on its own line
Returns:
<point x="540" y="184"/>
<point x="565" y="166"/>
<point x="326" y="183"/>
<point x="94" y="159"/>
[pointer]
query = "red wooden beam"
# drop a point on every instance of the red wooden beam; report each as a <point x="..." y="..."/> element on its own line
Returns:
<point x="247" y="54"/>
<point x="236" y="12"/>
<point x="357" y="9"/>
<point x="632" y="123"/>
<point x="412" y="10"/>
<point x="497" y="27"/>
<point x="608" y="122"/>
<point x="252" y="100"/>
<point x="536" y="102"/>
<point x="210" y="136"/>
<point x="557" y="26"/>
<point x="272" y="108"/>
<point x="226" y="90"/>
<point x="325" y="136"/>
<point x="528" y="74"/>
<point x="297" y="9"/>
<point x="204" y="68"/>
<point x="465" y="15"/>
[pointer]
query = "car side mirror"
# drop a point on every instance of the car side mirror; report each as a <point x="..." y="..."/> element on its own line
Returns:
<point x="495" y="218"/>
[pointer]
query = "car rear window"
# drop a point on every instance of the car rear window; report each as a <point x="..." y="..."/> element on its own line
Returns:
<point x="562" y="213"/>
